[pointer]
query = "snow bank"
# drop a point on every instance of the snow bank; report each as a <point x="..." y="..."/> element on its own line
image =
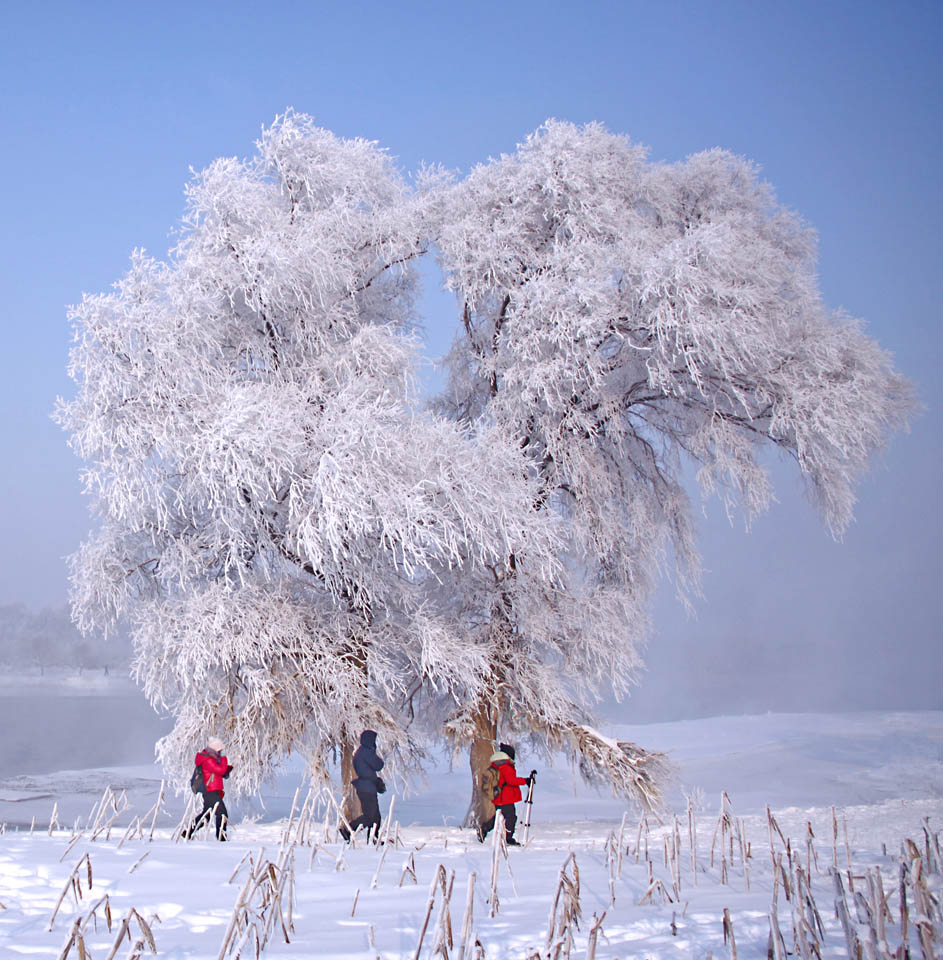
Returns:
<point x="639" y="878"/>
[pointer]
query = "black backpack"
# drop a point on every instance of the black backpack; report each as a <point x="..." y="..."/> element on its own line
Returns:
<point x="197" y="783"/>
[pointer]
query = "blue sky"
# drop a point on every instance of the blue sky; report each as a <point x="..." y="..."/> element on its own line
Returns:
<point x="105" y="107"/>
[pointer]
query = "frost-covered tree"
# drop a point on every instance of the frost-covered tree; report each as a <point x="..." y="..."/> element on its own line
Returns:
<point x="621" y="320"/>
<point x="269" y="505"/>
<point x="299" y="553"/>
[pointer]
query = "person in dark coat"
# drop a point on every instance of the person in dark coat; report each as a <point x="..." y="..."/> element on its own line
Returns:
<point x="506" y="792"/>
<point x="215" y="767"/>
<point x="367" y="783"/>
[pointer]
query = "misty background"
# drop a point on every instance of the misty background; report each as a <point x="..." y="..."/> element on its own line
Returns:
<point x="104" y="110"/>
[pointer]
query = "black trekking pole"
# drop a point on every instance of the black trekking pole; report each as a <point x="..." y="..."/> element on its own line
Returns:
<point x="529" y="801"/>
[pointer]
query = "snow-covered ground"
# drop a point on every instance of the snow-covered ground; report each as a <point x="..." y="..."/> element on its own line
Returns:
<point x="882" y="772"/>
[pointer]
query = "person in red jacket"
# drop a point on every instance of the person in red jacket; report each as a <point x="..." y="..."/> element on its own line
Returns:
<point x="215" y="767"/>
<point x="506" y="791"/>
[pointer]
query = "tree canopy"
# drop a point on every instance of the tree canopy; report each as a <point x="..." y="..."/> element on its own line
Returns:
<point x="269" y="502"/>
<point x="302" y="551"/>
<point x="622" y="320"/>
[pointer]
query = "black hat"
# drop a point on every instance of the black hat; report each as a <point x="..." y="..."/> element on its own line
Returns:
<point x="506" y="748"/>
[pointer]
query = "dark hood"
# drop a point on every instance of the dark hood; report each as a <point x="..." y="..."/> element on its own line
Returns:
<point x="369" y="739"/>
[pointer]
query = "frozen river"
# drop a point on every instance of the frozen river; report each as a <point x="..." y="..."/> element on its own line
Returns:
<point x="42" y="731"/>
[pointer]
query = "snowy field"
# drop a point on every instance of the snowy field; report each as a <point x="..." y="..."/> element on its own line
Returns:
<point x="630" y="889"/>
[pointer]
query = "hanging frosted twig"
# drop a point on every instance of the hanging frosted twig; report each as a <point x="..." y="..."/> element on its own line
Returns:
<point x="628" y="769"/>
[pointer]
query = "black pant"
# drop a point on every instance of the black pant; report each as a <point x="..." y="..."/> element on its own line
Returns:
<point x="510" y="821"/>
<point x="370" y="812"/>
<point x="212" y="799"/>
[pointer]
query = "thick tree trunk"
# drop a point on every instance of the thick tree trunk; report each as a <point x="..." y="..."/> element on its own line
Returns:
<point x="351" y="803"/>
<point x="358" y="656"/>
<point x="483" y="745"/>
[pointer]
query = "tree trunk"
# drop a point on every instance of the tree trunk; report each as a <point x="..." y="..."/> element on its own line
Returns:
<point x="351" y="802"/>
<point x="483" y="745"/>
<point x="358" y="656"/>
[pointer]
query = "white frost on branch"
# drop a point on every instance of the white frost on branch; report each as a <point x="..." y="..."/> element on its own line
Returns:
<point x="620" y="320"/>
<point x="270" y="505"/>
<point x="301" y="553"/>
<point x="631" y="772"/>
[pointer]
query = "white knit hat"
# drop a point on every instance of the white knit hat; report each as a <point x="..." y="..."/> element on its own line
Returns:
<point x="214" y="743"/>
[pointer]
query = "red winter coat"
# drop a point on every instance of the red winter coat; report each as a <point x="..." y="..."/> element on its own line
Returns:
<point x="509" y="783"/>
<point x="214" y="767"/>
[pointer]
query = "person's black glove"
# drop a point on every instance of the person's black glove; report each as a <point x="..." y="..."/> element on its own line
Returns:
<point x="228" y="770"/>
<point x="532" y="777"/>
<point x="381" y="786"/>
